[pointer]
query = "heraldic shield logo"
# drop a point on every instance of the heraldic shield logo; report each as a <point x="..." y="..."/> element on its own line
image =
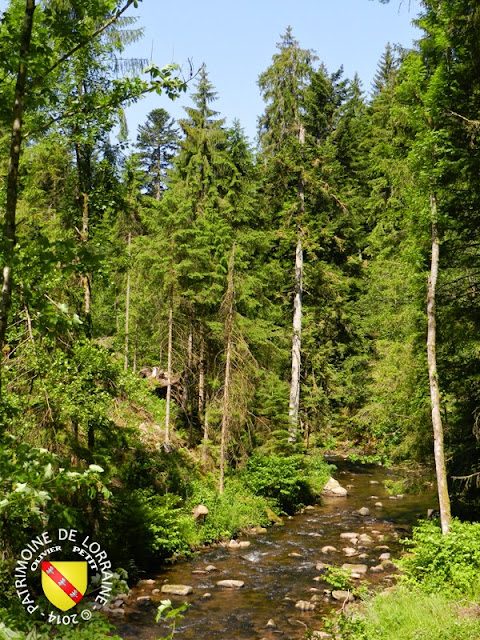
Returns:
<point x="64" y="583"/>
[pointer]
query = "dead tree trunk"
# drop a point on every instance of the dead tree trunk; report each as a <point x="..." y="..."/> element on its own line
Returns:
<point x="9" y="226"/>
<point x="439" y="453"/>
<point x="294" y="404"/>
<point x="230" y="307"/>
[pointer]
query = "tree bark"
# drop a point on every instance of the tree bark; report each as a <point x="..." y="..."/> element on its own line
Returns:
<point x="9" y="226"/>
<point x="230" y="302"/>
<point x="169" y="366"/>
<point x="127" y="304"/>
<point x="439" y="453"/>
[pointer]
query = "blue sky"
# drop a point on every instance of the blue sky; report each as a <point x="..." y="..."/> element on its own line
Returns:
<point x="237" y="40"/>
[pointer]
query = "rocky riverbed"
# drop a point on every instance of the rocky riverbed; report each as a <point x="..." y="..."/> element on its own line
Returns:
<point x="271" y="584"/>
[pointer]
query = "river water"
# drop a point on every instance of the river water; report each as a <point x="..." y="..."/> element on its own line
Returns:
<point x="279" y="567"/>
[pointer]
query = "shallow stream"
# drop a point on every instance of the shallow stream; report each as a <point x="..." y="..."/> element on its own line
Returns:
<point x="279" y="567"/>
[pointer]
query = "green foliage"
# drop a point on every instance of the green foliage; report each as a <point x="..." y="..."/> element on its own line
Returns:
<point x="171" y="615"/>
<point x="443" y="562"/>
<point x="409" y="615"/>
<point x="285" y="480"/>
<point x="338" y="578"/>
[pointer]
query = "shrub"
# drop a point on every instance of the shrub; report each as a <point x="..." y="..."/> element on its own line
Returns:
<point x="281" y="479"/>
<point x="438" y="561"/>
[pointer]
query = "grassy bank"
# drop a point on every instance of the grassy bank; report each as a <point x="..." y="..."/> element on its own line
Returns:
<point x="438" y="596"/>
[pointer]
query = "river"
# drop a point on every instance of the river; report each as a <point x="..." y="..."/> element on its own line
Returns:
<point x="279" y="567"/>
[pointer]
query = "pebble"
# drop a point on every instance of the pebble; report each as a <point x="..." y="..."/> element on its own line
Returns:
<point x="155" y="591"/>
<point x="379" y="504"/>
<point x="117" y="612"/>
<point x="320" y="566"/>
<point x="377" y="569"/>
<point x="210" y="567"/>
<point x="374" y="482"/>
<point x="206" y="596"/>
<point x="349" y="552"/>
<point x="323" y="635"/>
<point x="364" y="511"/>
<point x="294" y="554"/>
<point x="143" y="598"/>
<point x="385" y="556"/>
<point x="271" y="624"/>
<point x="365" y="539"/>
<point x="309" y="507"/>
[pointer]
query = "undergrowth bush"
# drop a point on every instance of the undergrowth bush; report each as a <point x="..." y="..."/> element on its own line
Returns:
<point x="438" y="562"/>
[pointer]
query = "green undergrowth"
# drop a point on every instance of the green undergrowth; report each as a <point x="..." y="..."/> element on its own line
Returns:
<point x="410" y="615"/>
<point x="438" y="597"/>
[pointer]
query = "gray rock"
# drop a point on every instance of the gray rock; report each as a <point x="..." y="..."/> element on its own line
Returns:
<point x="323" y="635"/>
<point x="374" y="482"/>
<point x="349" y="535"/>
<point x="349" y="552"/>
<point x="155" y="591"/>
<point x="244" y="544"/>
<point x="206" y="596"/>
<point x="365" y="539"/>
<point x="177" y="589"/>
<point x="334" y="489"/>
<point x="377" y="569"/>
<point x="231" y="584"/>
<point x="355" y="568"/>
<point x="385" y="556"/>
<point x="342" y="596"/>
<point x="144" y="599"/>
<point x="379" y="505"/>
<point x="210" y="567"/>
<point x="320" y="566"/>
<point x="271" y="624"/>
<point x="309" y="507"/>
<point x="364" y="511"/>
<point x="328" y="549"/>
<point x="145" y="583"/>
<point x="294" y="554"/>
<point x="117" y="612"/>
<point x="199" y="512"/>
<point x="388" y="565"/>
<point x="305" y="605"/>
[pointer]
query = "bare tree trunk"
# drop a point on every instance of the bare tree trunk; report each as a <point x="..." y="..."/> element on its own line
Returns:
<point x="230" y="303"/>
<point x="294" y="404"/>
<point x="439" y="453"/>
<point x="9" y="226"/>
<point x="127" y="304"/>
<point x="169" y="366"/>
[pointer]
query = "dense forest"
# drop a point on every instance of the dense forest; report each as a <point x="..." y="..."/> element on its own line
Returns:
<point x="190" y="320"/>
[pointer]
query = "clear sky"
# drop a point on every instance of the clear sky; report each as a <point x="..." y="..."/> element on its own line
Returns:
<point x="236" y="41"/>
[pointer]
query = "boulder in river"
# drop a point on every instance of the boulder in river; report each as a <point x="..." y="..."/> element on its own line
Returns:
<point x="365" y="539"/>
<point x="328" y="549"/>
<point x="349" y="552"/>
<point x="379" y="505"/>
<point x="305" y="605"/>
<point x="385" y="556"/>
<point x="323" y="635"/>
<point x="271" y="624"/>
<point x="145" y="583"/>
<point x="349" y="535"/>
<point x="342" y="596"/>
<point x="355" y="568"/>
<point x="364" y="511"/>
<point x="334" y="488"/>
<point x="177" y="589"/>
<point x="320" y="566"/>
<point x="231" y="584"/>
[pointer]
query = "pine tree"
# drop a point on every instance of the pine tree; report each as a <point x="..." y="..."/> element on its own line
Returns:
<point x="157" y="141"/>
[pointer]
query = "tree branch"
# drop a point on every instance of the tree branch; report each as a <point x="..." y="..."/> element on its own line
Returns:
<point x="80" y="45"/>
